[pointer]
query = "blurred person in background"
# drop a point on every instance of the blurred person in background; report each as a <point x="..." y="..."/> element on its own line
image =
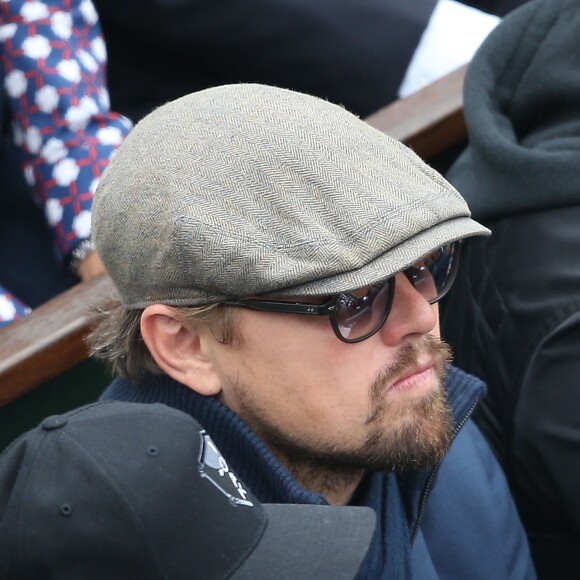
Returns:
<point x="513" y="315"/>
<point x="361" y="54"/>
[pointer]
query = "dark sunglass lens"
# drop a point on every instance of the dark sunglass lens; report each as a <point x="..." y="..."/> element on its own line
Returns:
<point x="358" y="316"/>
<point x="433" y="275"/>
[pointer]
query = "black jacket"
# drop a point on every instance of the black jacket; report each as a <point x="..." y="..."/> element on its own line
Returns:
<point x="352" y="52"/>
<point x="513" y="316"/>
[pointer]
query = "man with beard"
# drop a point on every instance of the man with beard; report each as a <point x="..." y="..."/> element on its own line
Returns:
<point x="278" y="262"/>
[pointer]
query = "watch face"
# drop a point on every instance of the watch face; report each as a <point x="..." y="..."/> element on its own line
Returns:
<point x="214" y="468"/>
<point x="79" y="254"/>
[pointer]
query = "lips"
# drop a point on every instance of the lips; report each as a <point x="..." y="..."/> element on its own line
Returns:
<point x="412" y="376"/>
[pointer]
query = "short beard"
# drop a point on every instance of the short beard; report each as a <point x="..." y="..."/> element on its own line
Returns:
<point x="423" y="431"/>
<point x="411" y="435"/>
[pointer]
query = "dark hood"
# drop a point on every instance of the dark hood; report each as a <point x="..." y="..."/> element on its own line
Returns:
<point x="522" y="109"/>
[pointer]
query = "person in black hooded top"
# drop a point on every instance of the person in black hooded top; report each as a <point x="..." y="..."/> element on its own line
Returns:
<point x="513" y="316"/>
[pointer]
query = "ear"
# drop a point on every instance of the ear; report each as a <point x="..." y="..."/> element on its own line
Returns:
<point x="179" y="350"/>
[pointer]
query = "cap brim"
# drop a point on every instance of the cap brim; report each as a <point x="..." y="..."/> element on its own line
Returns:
<point x="317" y="542"/>
<point x="391" y="262"/>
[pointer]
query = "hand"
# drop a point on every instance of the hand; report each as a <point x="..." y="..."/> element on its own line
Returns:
<point x="90" y="267"/>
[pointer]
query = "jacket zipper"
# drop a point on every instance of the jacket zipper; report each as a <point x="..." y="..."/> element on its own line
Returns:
<point x="429" y="483"/>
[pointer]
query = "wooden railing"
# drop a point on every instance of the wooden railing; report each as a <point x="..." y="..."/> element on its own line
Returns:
<point x="50" y="340"/>
<point x="429" y="121"/>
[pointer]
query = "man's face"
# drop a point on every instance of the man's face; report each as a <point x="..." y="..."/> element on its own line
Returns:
<point x="375" y="404"/>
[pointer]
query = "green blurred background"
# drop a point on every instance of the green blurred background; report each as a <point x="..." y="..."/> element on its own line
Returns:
<point x="78" y="386"/>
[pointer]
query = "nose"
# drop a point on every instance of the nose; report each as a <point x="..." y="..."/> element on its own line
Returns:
<point x="410" y="315"/>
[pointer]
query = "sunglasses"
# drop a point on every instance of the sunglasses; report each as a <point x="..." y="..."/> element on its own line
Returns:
<point x="357" y="315"/>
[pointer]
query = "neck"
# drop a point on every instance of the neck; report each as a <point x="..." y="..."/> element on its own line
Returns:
<point x="336" y="483"/>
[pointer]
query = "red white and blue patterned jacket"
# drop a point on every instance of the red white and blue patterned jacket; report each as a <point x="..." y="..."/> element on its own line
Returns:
<point x="53" y="58"/>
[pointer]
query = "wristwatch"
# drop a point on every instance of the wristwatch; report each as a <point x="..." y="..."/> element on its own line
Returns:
<point x="79" y="254"/>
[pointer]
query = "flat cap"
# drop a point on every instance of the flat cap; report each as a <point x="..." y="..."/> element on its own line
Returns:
<point x="248" y="189"/>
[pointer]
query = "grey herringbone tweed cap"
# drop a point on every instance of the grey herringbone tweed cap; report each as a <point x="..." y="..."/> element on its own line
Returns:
<point x="247" y="189"/>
